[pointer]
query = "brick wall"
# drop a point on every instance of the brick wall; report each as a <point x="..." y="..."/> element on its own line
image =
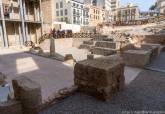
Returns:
<point x="46" y="6"/>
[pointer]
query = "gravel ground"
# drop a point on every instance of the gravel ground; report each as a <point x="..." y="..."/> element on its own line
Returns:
<point x="145" y="93"/>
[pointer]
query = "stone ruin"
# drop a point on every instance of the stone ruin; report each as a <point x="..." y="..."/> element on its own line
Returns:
<point x="2" y="78"/>
<point x="68" y="59"/>
<point x="28" y="93"/>
<point x="142" y="56"/>
<point x="27" y="97"/>
<point x="7" y="106"/>
<point x="102" y="77"/>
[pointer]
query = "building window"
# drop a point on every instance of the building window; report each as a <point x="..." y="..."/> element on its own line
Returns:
<point x="61" y="5"/>
<point x="57" y="6"/>
<point x="66" y="19"/>
<point x="78" y="12"/>
<point x="74" y="11"/>
<point x="74" y="4"/>
<point x="66" y="12"/>
<point x="74" y="20"/>
<point x="61" y="12"/>
<point x="57" y="13"/>
<point x="62" y="19"/>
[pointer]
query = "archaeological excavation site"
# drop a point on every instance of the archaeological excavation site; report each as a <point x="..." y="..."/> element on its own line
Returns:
<point x="82" y="57"/>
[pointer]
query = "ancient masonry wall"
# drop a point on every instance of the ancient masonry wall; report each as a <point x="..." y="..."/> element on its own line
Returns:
<point x="157" y="39"/>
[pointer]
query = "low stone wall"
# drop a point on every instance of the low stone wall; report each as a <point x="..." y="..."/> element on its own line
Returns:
<point x="62" y="43"/>
<point x="103" y="51"/>
<point x="101" y="78"/>
<point x="154" y="48"/>
<point x="137" y="58"/>
<point x="156" y="39"/>
<point x="28" y="93"/>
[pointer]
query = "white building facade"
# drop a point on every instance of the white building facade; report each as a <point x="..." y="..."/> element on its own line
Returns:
<point x="71" y="12"/>
<point x="161" y="6"/>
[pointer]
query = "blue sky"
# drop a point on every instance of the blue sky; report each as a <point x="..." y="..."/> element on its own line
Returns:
<point x="143" y="4"/>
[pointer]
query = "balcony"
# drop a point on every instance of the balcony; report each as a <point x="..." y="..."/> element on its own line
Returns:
<point x="15" y="4"/>
<point x="9" y="13"/>
<point x="15" y="16"/>
<point x="77" y="14"/>
<point x="29" y="17"/>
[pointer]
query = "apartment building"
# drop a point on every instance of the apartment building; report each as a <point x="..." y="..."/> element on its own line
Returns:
<point x="115" y="4"/>
<point x="128" y="13"/>
<point x="161" y="6"/>
<point x="69" y="11"/>
<point x="72" y="12"/>
<point x="109" y="5"/>
<point x="92" y="2"/>
<point x="20" y="21"/>
<point x="97" y="15"/>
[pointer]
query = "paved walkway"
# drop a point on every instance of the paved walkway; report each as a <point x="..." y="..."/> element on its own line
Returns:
<point x="145" y="93"/>
<point x="52" y="75"/>
<point x="158" y="64"/>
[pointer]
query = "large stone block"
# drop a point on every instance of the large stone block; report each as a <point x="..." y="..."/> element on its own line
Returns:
<point x="86" y="46"/>
<point x="103" y="51"/>
<point x="107" y="44"/>
<point x="137" y="58"/>
<point x="68" y="59"/>
<point x="154" y="48"/>
<point x="11" y="107"/>
<point x="2" y="78"/>
<point x="101" y="77"/>
<point x="28" y="93"/>
<point x="90" y="56"/>
<point x="88" y="42"/>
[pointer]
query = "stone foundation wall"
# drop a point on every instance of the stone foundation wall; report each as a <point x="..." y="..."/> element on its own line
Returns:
<point x="137" y="58"/>
<point x="28" y="93"/>
<point x="102" y="78"/>
<point x="156" y="39"/>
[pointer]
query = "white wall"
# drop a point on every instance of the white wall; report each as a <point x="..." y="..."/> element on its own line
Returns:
<point x="73" y="27"/>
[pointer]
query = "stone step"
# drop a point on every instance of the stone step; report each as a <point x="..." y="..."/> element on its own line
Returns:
<point x="86" y="46"/>
<point x="103" y="51"/>
<point x="88" y="42"/>
<point x="108" y="39"/>
<point x="104" y="39"/>
<point x="105" y="44"/>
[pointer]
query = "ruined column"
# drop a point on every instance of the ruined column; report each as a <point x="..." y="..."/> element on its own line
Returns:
<point x="52" y="46"/>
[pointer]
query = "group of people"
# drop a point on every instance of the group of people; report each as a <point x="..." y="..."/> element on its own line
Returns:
<point x="60" y="34"/>
<point x="54" y="33"/>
